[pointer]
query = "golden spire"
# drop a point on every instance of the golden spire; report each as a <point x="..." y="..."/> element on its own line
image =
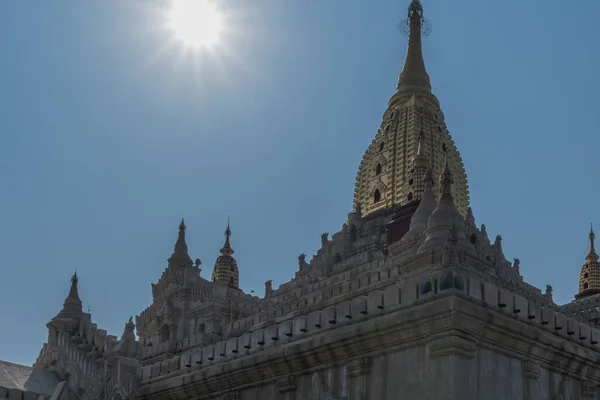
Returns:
<point x="412" y="137"/>
<point x="414" y="76"/>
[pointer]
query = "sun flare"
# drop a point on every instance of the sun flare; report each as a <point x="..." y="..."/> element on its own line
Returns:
<point x="196" y="23"/>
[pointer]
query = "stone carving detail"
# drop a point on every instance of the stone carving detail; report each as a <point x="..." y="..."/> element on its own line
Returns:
<point x="324" y="239"/>
<point x="389" y="119"/>
<point x="516" y="266"/>
<point x="440" y="119"/>
<point x="549" y="292"/>
<point x="450" y="255"/>
<point x="302" y="261"/>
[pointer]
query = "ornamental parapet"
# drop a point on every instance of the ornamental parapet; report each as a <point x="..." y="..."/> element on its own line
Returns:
<point x="315" y="296"/>
<point x="374" y="304"/>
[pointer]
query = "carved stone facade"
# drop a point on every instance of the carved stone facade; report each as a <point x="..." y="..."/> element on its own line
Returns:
<point x="432" y="310"/>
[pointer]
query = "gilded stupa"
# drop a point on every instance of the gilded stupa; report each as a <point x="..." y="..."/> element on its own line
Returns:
<point x="589" y="280"/>
<point x="387" y="175"/>
<point x="226" y="269"/>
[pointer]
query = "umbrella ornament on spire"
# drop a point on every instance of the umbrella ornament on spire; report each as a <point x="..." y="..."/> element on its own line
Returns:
<point x="415" y="19"/>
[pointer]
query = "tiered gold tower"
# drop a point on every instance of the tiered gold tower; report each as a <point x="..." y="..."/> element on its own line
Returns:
<point x="387" y="175"/>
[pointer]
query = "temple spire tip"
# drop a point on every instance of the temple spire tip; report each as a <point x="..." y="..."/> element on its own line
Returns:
<point x="180" y="252"/>
<point x="414" y="76"/>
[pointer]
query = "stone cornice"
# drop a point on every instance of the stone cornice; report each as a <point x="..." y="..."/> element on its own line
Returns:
<point x="454" y="323"/>
<point x="452" y="345"/>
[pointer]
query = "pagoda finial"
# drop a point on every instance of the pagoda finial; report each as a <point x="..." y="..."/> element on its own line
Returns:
<point x="415" y="7"/>
<point x="181" y="245"/>
<point x="414" y="76"/>
<point x="180" y="252"/>
<point x="592" y="256"/>
<point x="73" y="293"/>
<point x="227" y="250"/>
<point x="72" y="309"/>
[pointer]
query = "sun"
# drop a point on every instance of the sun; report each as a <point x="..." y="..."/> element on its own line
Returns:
<point x="196" y="23"/>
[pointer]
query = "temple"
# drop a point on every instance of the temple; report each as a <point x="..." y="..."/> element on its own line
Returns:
<point x="410" y="299"/>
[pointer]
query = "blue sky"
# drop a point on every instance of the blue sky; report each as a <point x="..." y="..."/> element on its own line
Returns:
<point x="111" y="132"/>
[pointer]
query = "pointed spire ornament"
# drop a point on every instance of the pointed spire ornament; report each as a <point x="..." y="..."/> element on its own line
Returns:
<point x="227" y="250"/>
<point x="128" y="346"/>
<point x="446" y="184"/>
<point x="445" y="217"/>
<point x="70" y="315"/>
<point x="418" y="221"/>
<point x="499" y="258"/>
<point x="414" y="76"/>
<point x="180" y="254"/>
<point x="484" y="235"/>
<point x="73" y="297"/>
<point x="549" y="292"/>
<point x="592" y="256"/>
<point x="517" y="266"/>
<point x="470" y="219"/>
<point x="180" y="244"/>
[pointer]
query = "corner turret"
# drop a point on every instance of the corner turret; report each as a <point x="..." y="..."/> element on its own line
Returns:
<point x="226" y="270"/>
<point x="589" y="280"/>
